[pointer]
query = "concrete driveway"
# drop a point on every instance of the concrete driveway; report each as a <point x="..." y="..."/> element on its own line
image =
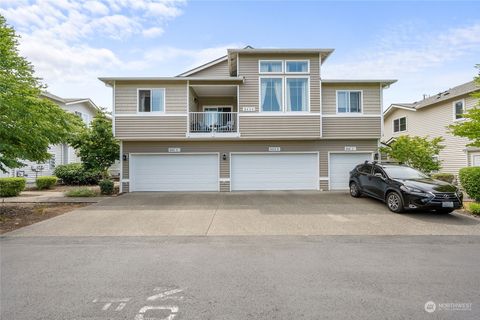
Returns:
<point x="246" y="213"/>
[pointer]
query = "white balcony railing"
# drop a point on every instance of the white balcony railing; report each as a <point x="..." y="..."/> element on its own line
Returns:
<point x="213" y="122"/>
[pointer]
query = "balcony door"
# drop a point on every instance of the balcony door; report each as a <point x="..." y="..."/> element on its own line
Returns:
<point x="217" y="116"/>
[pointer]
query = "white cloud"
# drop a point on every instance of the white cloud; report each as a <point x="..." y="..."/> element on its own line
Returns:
<point x="61" y="37"/>
<point x="404" y="50"/>
<point x="152" y="32"/>
<point x="420" y="61"/>
<point x="96" y="7"/>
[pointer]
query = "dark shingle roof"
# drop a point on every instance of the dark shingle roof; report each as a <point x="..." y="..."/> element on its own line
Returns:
<point x="445" y="95"/>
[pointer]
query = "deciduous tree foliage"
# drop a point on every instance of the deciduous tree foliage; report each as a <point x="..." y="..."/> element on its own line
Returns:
<point x="96" y="145"/>
<point x="417" y="152"/>
<point x="471" y="127"/>
<point x="28" y="123"/>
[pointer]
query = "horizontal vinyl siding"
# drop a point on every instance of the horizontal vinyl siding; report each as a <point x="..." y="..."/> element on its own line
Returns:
<point x="217" y="70"/>
<point x="351" y="127"/>
<point x="248" y="68"/>
<point x="226" y="147"/>
<point x="126" y="96"/>
<point x="150" y="127"/>
<point x="279" y="126"/>
<point x="432" y="121"/>
<point x="371" y="97"/>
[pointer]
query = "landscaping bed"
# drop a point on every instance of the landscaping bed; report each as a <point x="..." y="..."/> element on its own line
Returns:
<point x="14" y="216"/>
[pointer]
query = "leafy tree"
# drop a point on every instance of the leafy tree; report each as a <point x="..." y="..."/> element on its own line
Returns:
<point x="417" y="152"/>
<point x="28" y="123"/>
<point x="471" y="127"/>
<point x="96" y="145"/>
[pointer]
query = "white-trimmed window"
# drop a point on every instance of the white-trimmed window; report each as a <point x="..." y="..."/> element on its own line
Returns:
<point x="151" y="100"/>
<point x="400" y="124"/>
<point x="85" y="117"/>
<point x="459" y="109"/>
<point x="296" y="95"/>
<point x="297" y="66"/>
<point x="271" y="66"/>
<point x="349" y="101"/>
<point x="271" y="94"/>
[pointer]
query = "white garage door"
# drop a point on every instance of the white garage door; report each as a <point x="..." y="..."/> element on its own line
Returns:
<point x="174" y="172"/>
<point x="274" y="171"/>
<point x="340" y="166"/>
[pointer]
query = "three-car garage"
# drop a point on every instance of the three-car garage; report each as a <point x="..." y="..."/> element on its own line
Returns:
<point x="194" y="169"/>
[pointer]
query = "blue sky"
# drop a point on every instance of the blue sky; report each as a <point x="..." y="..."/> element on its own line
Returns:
<point x="428" y="46"/>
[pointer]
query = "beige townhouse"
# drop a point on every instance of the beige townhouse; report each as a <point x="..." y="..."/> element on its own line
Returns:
<point x="254" y="119"/>
<point x="431" y="117"/>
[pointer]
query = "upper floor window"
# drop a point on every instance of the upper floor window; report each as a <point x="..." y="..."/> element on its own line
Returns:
<point x="85" y="117"/>
<point x="400" y="124"/>
<point x="297" y="94"/>
<point x="459" y="109"/>
<point x="271" y="94"/>
<point x="151" y="100"/>
<point x="297" y="66"/>
<point x="349" y="101"/>
<point x="271" y="66"/>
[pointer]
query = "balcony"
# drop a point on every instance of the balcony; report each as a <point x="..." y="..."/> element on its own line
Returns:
<point x="213" y="124"/>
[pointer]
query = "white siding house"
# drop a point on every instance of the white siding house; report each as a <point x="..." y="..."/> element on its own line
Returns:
<point x="431" y="117"/>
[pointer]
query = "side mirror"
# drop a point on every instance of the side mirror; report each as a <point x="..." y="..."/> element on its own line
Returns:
<point x="378" y="174"/>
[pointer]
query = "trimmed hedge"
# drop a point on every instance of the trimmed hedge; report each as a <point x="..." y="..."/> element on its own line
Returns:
<point x="447" y="177"/>
<point x="46" y="182"/>
<point x="474" y="208"/>
<point x="76" y="174"/>
<point x="470" y="180"/>
<point x="11" y="187"/>
<point x="106" y="186"/>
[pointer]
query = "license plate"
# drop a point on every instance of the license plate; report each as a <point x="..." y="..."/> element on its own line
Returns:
<point x="447" y="204"/>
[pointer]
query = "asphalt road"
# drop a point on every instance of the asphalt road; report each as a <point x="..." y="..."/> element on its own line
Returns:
<point x="322" y="277"/>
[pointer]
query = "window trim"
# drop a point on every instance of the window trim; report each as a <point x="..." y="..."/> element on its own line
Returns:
<point x="270" y="60"/>
<point x="399" y="128"/>
<point x="349" y="114"/>
<point x="146" y="113"/>
<point x="455" y="111"/>
<point x="297" y="60"/>
<point x="308" y="93"/>
<point x="282" y="106"/>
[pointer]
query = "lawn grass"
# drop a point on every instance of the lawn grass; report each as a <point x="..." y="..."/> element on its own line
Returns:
<point x="81" y="192"/>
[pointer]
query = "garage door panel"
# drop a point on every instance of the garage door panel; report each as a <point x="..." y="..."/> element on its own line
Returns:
<point x="170" y="172"/>
<point x="340" y="166"/>
<point x="274" y="172"/>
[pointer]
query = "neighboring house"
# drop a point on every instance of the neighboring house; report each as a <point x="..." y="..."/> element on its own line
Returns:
<point x="255" y="119"/>
<point x="61" y="154"/>
<point x="431" y="117"/>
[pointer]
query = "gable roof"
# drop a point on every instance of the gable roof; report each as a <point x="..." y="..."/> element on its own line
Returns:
<point x="70" y="101"/>
<point x="203" y="66"/>
<point x="454" y="92"/>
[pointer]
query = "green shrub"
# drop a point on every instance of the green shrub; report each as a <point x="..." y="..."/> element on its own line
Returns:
<point x="76" y="174"/>
<point x="46" y="182"/>
<point x="470" y="180"/>
<point x="106" y="186"/>
<point x="447" y="177"/>
<point x="474" y="208"/>
<point x="81" y="192"/>
<point x="11" y="187"/>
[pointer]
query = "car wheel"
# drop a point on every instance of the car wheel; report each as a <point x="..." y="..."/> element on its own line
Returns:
<point x="394" y="202"/>
<point x="354" y="190"/>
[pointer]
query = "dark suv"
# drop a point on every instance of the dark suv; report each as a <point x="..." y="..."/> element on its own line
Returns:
<point x="402" y="187"/>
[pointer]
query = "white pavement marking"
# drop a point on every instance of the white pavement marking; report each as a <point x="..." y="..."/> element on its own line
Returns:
<point x="165" y="295"/>
<point x="141" y="312"/>
<point x="338" y="217"/>
<point x="122" y="302"/>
